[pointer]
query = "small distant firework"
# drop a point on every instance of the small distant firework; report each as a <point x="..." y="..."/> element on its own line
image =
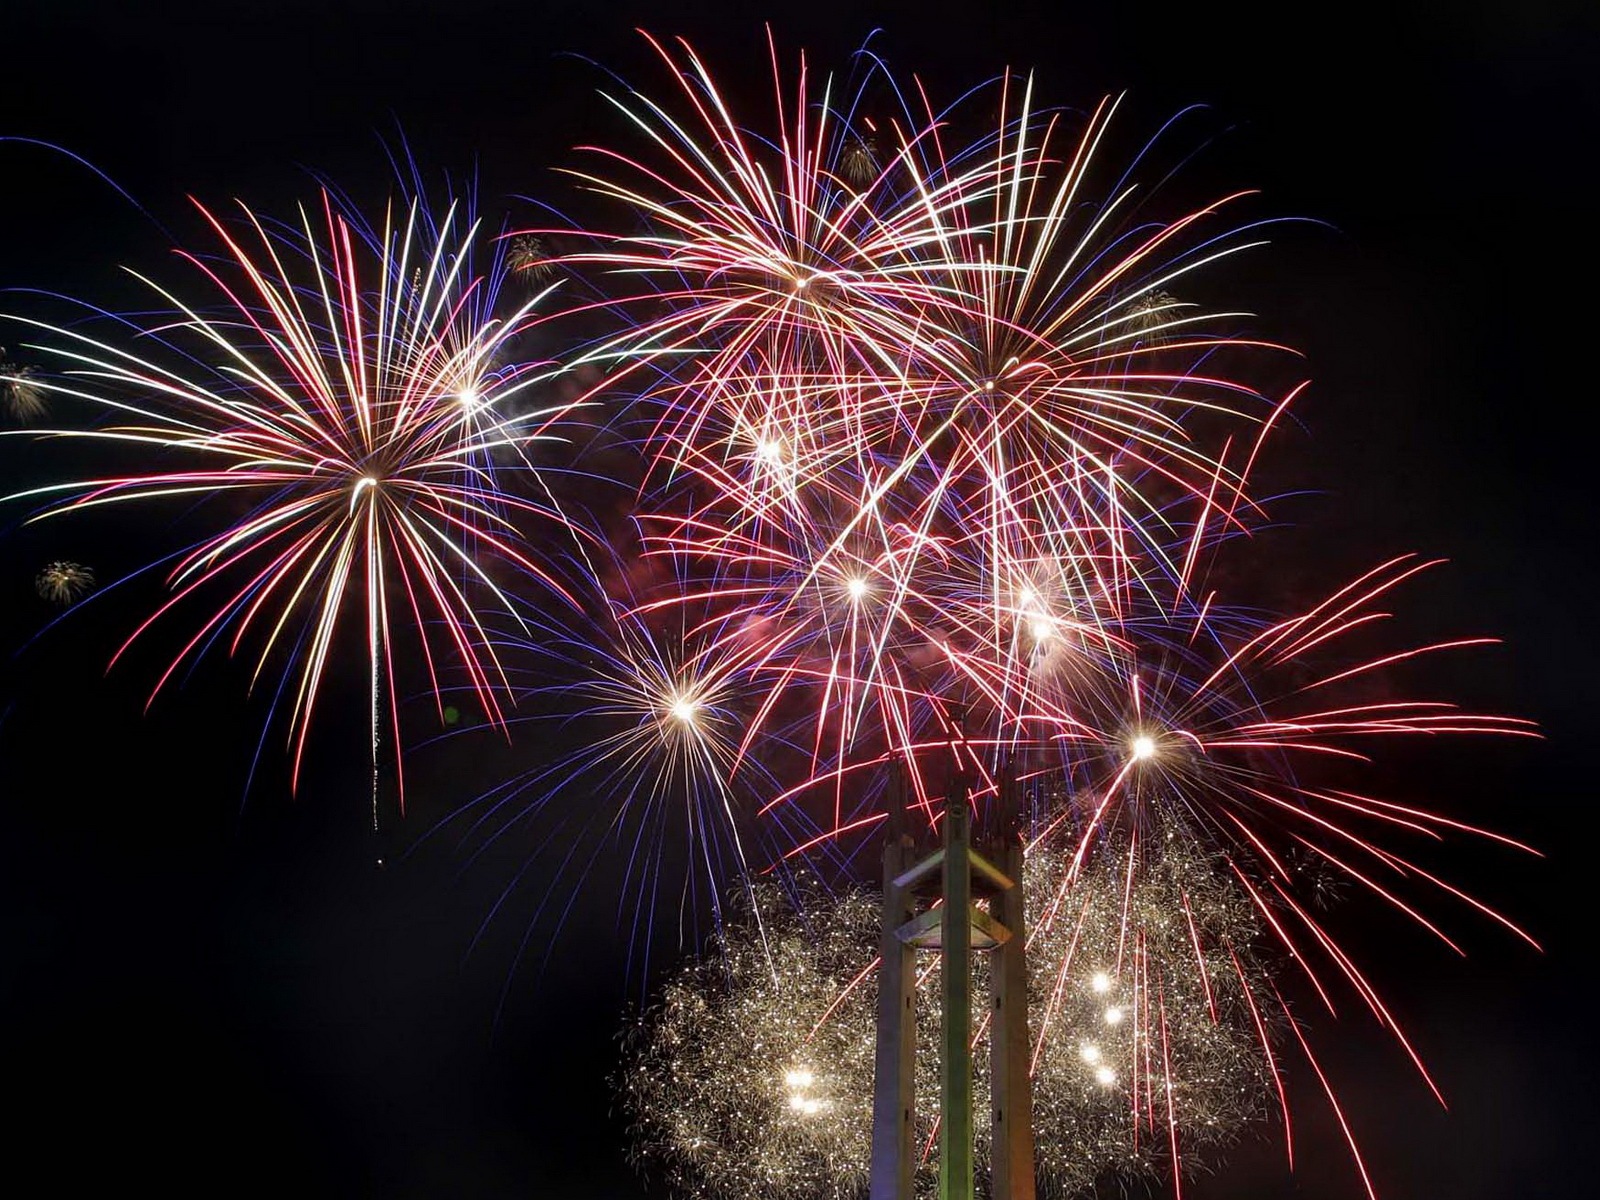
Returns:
<point x="1152" y="315"/>
<point x="859" y="162"/>
<point x="24" y="396"/>
<point x="62" y="582"/>
<point x="753" y="1076"/>
<point x="528" y="255"/>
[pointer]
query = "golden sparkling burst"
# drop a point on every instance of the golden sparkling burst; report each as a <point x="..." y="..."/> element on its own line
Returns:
<point x="1143" y="1002"/>
<point x="529" y="256"/>
<point x="752" y="1075"/>
<point x="20" y="391"/>
<point x="62" y="582"/>
<point x="740" y="1082"/>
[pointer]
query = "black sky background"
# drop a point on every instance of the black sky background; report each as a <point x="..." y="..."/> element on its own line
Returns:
<point x="206" y="995"/>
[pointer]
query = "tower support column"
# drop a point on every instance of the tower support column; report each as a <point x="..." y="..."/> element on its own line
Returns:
<point x="1011" y="1152"/>
<point x="955" y="968"/>
<point x="894" y="1090"/>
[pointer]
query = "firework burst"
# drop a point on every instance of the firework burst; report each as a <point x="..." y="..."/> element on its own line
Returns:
<point x="644" y="710"/>
<point x="528" y="255"/>
<point x="334" y="400"/>
<point x="24" y="395"/>
<point x="876" y="402"/>
<point x="64" y="582"/>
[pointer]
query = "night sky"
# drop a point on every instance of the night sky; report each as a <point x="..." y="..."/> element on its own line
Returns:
<point x="205" y="991"/>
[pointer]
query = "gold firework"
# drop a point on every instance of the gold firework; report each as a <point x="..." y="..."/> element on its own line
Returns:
<point x="62" y="582"/>
<point x="20" y="390"/>
<point x="753" y="1075"/>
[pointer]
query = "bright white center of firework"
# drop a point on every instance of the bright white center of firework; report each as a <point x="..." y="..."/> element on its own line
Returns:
<point x="988" y="385"/>
<point x="771" y="450"/>
<point x="684" y="709"/>
<point x="811" y="1107"/>
<point x="1100" y="982"/>
<point x="1089" y="1053"/>
<point x="1041" y="628"/>
<point x="469" y="397"/>
<point x="1027" y="598"/>
<point x="799" y="1080"/>
<point x="1113" y="1016"/>
<point x="857" y="588"/>
<point x="366" y="481"/>
<point x="1144" y="747"/>
<point x="1105" y="1076"/>
<point x="797" y="1102"/>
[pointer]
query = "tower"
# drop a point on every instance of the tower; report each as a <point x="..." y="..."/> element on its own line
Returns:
<point x="914" y="920"/>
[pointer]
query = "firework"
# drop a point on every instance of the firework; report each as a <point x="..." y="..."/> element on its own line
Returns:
<point x="646" y="709"/>
<point x="773" y="220"/>
<point x="24" y="395"/>
<point x="528" y="255"/>
<point x="899" y="407"/>
<point x="62" y="582"/>
<point x="333" y="397"/>
<point x="1144" y="995"/>
<point x="859" y="163"/>
<point x="1152" y="315"/>
<point x="754" y="1074"/>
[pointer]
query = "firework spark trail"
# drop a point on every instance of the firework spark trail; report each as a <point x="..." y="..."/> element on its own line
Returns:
<point x="345" y="384"/>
